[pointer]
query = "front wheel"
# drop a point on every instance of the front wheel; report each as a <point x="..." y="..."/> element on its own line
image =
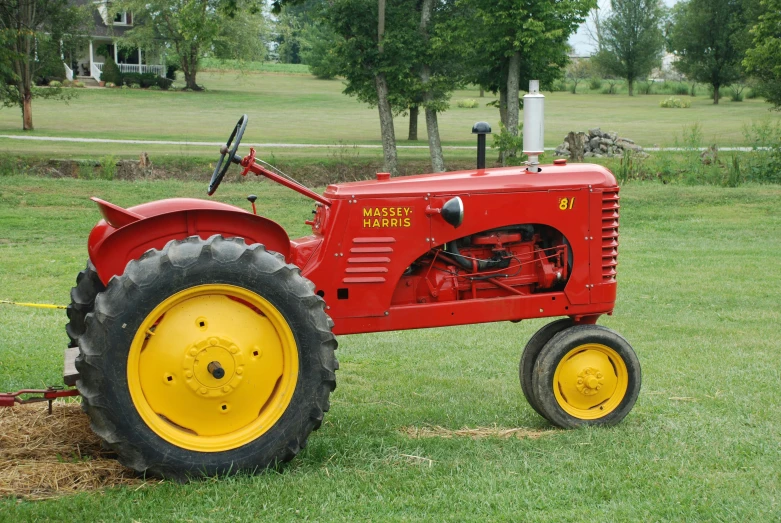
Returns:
<point x="207" y="357"/>
<point x="586" y="375"/>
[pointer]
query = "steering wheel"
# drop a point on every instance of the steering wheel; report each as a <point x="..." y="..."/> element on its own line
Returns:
<point x="230" y="152"/>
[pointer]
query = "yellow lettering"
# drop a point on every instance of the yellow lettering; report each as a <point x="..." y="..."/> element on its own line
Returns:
<point x="385" y="211"/>
<point x="407" y="211"/>
<point x="367" y="223"/>
<point x="407" y="222"/>
<point x="394" y="222"/>
<point x="384" y="222"/>
<point x="367" y="211"/>
<point x="376" y="223"/>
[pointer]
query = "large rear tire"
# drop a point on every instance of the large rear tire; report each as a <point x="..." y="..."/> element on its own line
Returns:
<point x="88" y="285"/>
<point x="208" y="357"/>
<point x="530" y="354"/>
<point x="586" y="375"/>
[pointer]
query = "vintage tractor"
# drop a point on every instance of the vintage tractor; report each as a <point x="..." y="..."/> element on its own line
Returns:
<point x="204" y="337"/>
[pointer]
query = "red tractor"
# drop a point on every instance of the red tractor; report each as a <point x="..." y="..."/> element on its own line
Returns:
<point x="204" y="336"/>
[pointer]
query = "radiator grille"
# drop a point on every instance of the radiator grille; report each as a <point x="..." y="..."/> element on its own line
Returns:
<point x="610" y="208"/>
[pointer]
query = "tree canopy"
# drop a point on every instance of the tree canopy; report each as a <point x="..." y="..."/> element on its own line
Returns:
<point x="30" y="36"/>
<point x="708" y="37"/>
<point x="632" y="41"/>
<point x="763" y="59"/>
<point x="190" y="27"/>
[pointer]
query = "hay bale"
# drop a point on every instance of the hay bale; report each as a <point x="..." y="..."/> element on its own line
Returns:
<point x="44" y="456"/>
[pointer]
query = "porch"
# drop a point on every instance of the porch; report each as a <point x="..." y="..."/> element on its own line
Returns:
<point x="89" y="63"/>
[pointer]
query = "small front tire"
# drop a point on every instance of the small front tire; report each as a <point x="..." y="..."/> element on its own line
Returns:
<point x="530" y="354"/>
<point x="586" y="375"/>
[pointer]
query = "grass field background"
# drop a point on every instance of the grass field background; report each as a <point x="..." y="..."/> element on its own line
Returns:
<point x="299" y="108"/>
<point x="698" y="299"/>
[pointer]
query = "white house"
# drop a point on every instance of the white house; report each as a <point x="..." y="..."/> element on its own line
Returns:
<point x="88" y="63"/>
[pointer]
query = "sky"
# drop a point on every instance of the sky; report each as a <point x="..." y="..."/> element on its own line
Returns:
<point x="580" y="41"/>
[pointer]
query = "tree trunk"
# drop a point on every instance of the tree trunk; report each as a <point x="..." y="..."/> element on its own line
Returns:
<point x="577" y="143"/>
<point x="513" y="109"/>
<point x="503" y="105"/>
<point x="434" y="144"/>
<point x="716" y="94"/>
<point x="432" y="125"/>
<point x="383" y="104"/>
<point x="631" y="84"/>
<point x="190" y="69"/>
<point x="27" y="111"/>
<point x="412" y="135"/>
<point x="482" y="92"/>
<point x="386" y="125"/>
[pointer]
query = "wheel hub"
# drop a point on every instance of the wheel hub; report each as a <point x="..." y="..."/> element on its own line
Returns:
<point x="203" y="362"/>
<point x="590" y="380"/>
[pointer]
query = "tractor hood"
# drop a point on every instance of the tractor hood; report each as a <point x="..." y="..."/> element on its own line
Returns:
<point x="504" y="179"/>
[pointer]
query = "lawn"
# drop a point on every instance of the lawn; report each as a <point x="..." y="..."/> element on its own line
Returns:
<point x="698" y="298"/>
<point x="299" y="108"/>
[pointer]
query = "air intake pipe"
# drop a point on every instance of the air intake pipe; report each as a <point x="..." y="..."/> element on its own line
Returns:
<point x="533" y="125"/>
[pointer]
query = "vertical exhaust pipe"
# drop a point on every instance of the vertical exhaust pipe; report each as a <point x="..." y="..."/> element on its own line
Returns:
<point x="481" y="129"/>
<point x="533" y="125"/>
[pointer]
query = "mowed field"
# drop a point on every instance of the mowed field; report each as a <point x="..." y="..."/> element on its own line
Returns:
<point x="299" y="108"/>
<point x="698" y="298"/>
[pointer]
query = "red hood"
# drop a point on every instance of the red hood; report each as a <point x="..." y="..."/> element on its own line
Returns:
<point x="504" y="179"/>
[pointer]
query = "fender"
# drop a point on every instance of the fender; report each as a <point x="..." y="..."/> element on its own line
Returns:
<point x="125" y="234"/>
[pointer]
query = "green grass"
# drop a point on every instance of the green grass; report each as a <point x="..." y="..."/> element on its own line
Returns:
<point x="299" y="108"/>
<point x="698" y="298"/>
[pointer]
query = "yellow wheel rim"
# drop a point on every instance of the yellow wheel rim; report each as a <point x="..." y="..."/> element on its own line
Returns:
<point x="172" y="368"/>
<point x="590" y="381"/>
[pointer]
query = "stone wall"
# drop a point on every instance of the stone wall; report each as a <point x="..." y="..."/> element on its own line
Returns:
<point x="596" y="144"/>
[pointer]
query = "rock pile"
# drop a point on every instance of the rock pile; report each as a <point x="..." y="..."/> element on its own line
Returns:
<point x="596" y="144"/>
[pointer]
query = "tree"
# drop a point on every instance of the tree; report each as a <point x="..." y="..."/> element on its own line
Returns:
<point x="632" y="39"/>
<point x="578" y="70"/>
<point x="191" y="27"/>
<point x="763" y="59"/>
<point x="708" y="38"/>
<point x="508" y="40"/>
<point x="30" y="32"/>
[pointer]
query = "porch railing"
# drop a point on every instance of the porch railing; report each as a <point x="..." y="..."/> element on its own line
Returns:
<point x="95" y="72"/>
<point x="68" y="72"/>
<point x="159" y="70"/>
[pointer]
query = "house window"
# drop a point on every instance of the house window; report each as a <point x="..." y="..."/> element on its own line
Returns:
<point x="123" y="18"/>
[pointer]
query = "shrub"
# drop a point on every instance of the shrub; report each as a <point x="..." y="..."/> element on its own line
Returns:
<point x="645" y="87"/>
<point x="736" y="92"/>
<point x="129" y="79"/>
<point x="55" y="83"/>
<point x="467" y="104"/>
<point x="170" y="71"/>
<point x="595" y="84"/>
<point x="154" y="88"/>
<point x="675" y="103"/>
<point x="108" y="168"/>
<point x="135" y="86"/>
<point x="110" y="84"/>
<point x="763" y="165"/>
<point x="507" y="144"/>
<point x="124" y="87"/>
<point x="67" y="83"/>
<point x="77" y="83"/>
<point x="111" y="73"/>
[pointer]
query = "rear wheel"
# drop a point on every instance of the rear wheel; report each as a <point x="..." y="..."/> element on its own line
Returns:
<point x="530" y="354"/>
<point x="88" y="285"/>
<point x="207" y="357"/>
<point x="586" y="375"/>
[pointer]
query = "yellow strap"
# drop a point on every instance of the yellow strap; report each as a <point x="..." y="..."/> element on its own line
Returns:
<point x="37" y="305"/>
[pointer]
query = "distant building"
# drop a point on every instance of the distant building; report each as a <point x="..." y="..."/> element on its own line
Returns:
<point x="87" y="63"/>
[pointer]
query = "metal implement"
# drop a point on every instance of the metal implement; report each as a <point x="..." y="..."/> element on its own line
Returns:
<point x="9" y="399"/>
